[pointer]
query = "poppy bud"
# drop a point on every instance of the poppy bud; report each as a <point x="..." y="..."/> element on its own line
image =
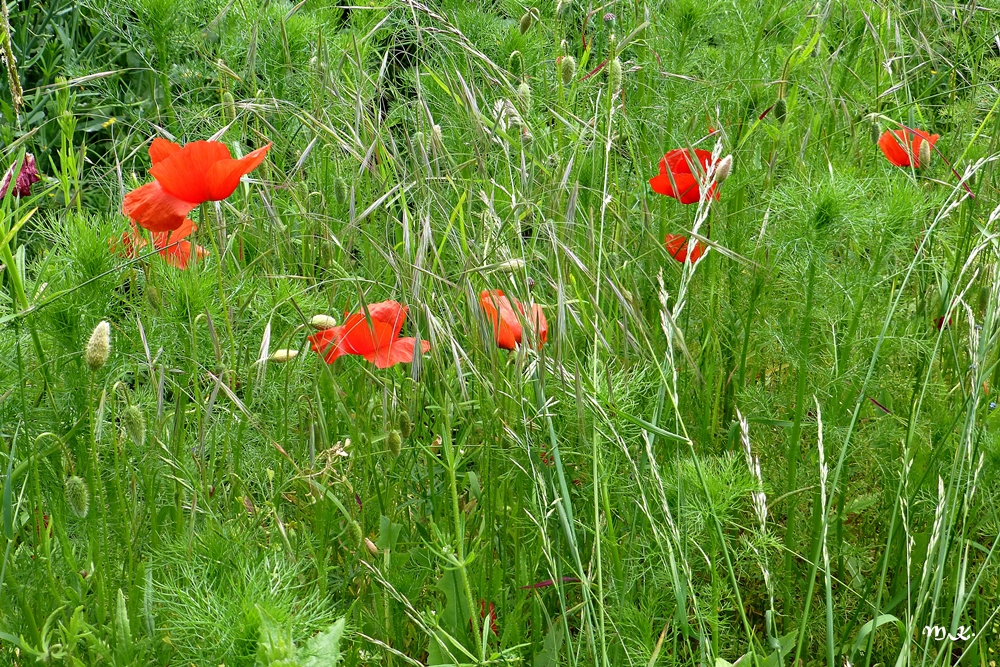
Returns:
<point x="394" y="443"/>
<point x="340" y="190"/>
<point x="511" y="265"/>
<point x="615" y="75"/>
<point x="370" y="546"/>
<point x="98" y="347"/>
<point x="524" y="93"/>
<point x="876" y="132"/>
<point x="281" y="356"/>
<point x="354" y="534"/>
<point x="405" y="425"/>
<point x="567" y="68"/>
<point x="322" y="322"/>
<point x="134" y="424"/>
<point x="924" y="154"/>
<point x="780" y="108"/>
<point x="723" y="168"/>
<point x="526" y="21"/>
<point x="228" y="106"/>
<point x="77" y="496"/>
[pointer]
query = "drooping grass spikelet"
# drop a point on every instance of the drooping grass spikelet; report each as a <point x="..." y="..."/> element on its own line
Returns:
<point x="134" y="423"/>
<point x="98" y="347"/>
<point x="77" y="496"/>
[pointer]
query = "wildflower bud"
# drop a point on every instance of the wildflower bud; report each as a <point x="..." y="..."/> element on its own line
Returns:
<point x="77" y="496"/>
<point x="354" y="534"/>
<point x="134" y="424"/>
<point x="370" y="546"/>
<point x="567" y="68"/>
<point x="615" y="75"/>
<point x="780" y="108"/>
<point x="609" y="18"/>
<point x="723" y="168"/>
<point x="281" y="356"/>
<point x="340" y="190"/>
<point x="228" y="106"/>
<point x="322" y="322"/>
<point x="526" y="22"/>
<point x="524" y="93"/>
<point x="394" y="443"/>
<point x="405" y="425"/>
<point x="98" y="347"/>
<point x="924" y="154"/>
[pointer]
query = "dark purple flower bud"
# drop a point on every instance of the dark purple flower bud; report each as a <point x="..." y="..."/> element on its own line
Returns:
<point x="27" y="176"/>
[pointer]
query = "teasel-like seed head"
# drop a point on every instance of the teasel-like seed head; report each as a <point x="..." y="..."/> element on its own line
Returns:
<point x="340" y="190"/>
<point x="354" y="534"/>
<point x="134" y="424"/>
<point x="567" y="69"/>
<point x="394" y="442"/>
<point x="98" y="347"/>
<point x="723" y="168"/>
<point x="77" y="496"/>
<point x="924" y="154"/>
<point x="404" y="424"/>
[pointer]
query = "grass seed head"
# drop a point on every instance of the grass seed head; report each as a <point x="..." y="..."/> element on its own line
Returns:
<point x="77" y="496"/>
<point x="134" y="424"/>
<point x="615" y="75"/>
<point x="354" y="534"/>
<point x="567" y="67"/>
<point x="98" y="347"/>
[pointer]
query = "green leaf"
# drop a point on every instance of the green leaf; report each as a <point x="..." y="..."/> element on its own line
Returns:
<point x="551" y="646"/>
<point x="871" y="626"/>
<point x="323" y="650"/>
<point x="388" y="533"/>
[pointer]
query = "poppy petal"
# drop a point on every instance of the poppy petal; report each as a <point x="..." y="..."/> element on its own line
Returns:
<point x="328" y="343"/>
<point x="500" y="314"/>
<point x="389" y="312"/>
<point x="892" y="148"/>
<point x="156" y="209"/>
<point x="224" y="176"/>
<point x="161" y="149"/>
<point x="179" y="254"/>
<point x="684" y="187"/>
<point x="184" y="174"/>
<point x="399" y="350"/>
<point x="539" y="324"/>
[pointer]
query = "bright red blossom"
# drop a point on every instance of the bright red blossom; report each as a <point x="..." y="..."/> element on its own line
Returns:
<point x="377" y="341"/>
<point x="897" y="145"/>
<point x="677" y="246"/>
<point x="506" y="323"/>
<point x="679" y="173"/>
<point x="172" y="247"/>
<point x="185" y="177"/>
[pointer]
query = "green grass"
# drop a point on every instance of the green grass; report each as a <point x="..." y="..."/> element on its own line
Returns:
<point x="646" y="489"/>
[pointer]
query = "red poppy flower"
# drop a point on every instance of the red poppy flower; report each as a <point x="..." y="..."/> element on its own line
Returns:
<point x="507" y="330"/>
<point x="377" y="341"/>
<point x="493" y="616"/>
<point x="185" y="177"/>
<point x="677" y="246"/>
<point x="174" y="249"/>
<point x="897" y="145"/>
<point x="679" y="172"/>
<point x="131" y="244"/>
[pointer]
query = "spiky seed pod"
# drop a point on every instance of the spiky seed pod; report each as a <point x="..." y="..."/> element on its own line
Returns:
<point x="98" y="347"/>
<point x="524" y="94"/>
<point x="526" y="21"/>
<point x="370" y="546"/>
<point x="134" y="424"/>
<point x="340" y="190"/>
<point x="567" y="68"/>
<point x="394" y="442"/>
<point x="723" y="168"/>
<point x="77" y="496"/>
<point x="405" y="425"/>
<point x="354" y="534"/>
<point x="924" y="154"/>
<point x="228" y="106"/>
<point x="615" y="75"/>
<point x="281" y="356"/>
<point x="780" y="109"/>
<point x="322" y="322"/>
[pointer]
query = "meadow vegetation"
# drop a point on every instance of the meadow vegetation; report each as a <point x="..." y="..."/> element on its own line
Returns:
<point x="758" y="424"/>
